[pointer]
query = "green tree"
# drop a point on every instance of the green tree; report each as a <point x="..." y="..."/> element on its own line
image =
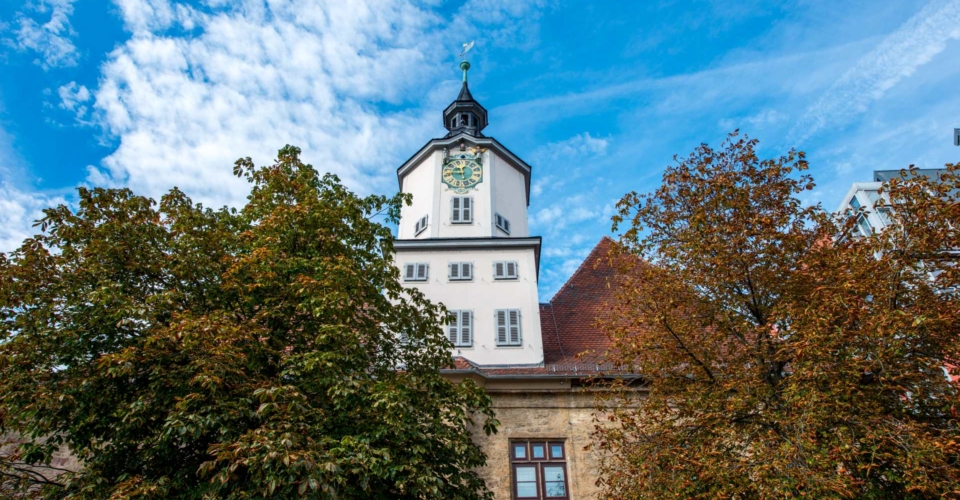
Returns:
<point x="182" y="352"/>
<point x="782" y="361"/>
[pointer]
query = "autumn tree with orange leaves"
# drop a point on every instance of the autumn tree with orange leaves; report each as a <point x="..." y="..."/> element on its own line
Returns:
<point x="783" y="356"/>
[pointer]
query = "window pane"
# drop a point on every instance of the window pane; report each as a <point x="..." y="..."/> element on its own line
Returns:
<point x="527" y="482"/>
<point x="556" y="451"/>
<point x="537" y="450"/>
<point x="519" y="451"/>
<point x="864" y="226"/>
<point x="526" y="473"/>
<point x="554" y="484"/>
<point x="526" y="490"/>
<point x="555" y="490"/>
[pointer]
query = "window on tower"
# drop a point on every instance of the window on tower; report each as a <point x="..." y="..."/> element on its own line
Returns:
<point x="417" y="271"/>
<point x="460" y="328"/>
<point x="461" y="210"/>
<point x="460" y="271"/>
<point x="421" y="225"/>
<point x="502" y="223"/>
<point x="508" y="327"/>
<point x="505" y="270"/>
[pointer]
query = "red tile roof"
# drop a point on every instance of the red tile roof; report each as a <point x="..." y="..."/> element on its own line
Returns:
<point x="568" y="323"/>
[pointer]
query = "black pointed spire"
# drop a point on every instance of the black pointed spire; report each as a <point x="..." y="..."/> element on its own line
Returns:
<point x="464" y="93"/>
<point x="465" y="115"/>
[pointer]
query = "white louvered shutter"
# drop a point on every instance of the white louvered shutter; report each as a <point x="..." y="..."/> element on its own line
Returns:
<point x="502" y="327"/>
<point x="466" y="328"/>
<point x="498" y="270"/>
<point x="455" y="209"/>
<point x="467" y="209"/>
<point x="452" y="327"/>
<point x="454" y="271"/>
<point x="506" y="226"/>
<point x="514" y="317"/>
<point x="466" y="272"/>
<point x="409" y="272"/>
<point x="511" y="269"/>
<point x="422" y="272"/>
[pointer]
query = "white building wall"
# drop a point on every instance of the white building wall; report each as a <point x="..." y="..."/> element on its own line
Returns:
<point x="509" y="198"/>
<point x="484" y="295"/>
<point x="422" y="182"/>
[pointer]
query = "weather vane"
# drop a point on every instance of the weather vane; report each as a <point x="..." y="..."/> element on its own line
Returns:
<point x="466" y="48"/>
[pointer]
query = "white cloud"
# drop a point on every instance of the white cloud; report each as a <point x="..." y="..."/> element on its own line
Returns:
<point x="196" y="88"/>
<point x="898" y="56"/>
<point x="19" y="207"/>
<point x="53" y="39"/>
<point x="579" y="146"/>
<point x="18" y="211"/>
<point x="73" y="97"/>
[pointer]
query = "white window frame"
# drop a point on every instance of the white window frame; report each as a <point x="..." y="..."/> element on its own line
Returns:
<point x="507" y="323"/>
<point x="504" y="266"/>
<point x="461" y="209"/>
<point x="412" y="272"/>
<point x="502" y="223"/>
<point x="460" y="271"/>
<point x="460" y="328"/>
<point x="421" y="225"/>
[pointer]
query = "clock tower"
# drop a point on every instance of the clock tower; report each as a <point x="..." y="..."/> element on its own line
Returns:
<point x="465" y="242"/>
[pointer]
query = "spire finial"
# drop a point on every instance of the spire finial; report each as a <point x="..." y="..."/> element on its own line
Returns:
<point x="465" y="65"/>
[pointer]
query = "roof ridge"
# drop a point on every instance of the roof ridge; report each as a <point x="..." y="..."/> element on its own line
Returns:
<point x="596" y="247"/>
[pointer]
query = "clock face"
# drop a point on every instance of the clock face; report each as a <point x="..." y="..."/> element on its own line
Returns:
<point x="462" y="172"/>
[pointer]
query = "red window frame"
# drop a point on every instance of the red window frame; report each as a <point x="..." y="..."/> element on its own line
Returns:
<point x="548" y="460"/>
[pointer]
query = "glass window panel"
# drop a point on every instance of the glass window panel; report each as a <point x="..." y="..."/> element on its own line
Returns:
<point x="854" y="202"/>
<point x="555" y="490"/>
<point x="526" y="473"/>
<point x="873" y="195"/>
<point x="527" y="482"/>
<point x="520" y="451"/>
<point x="864" y="226"/>
<point x="537" y="451"/>
<point x="526" y="490"/>
<point x="556" y="451"/>
<point x="553" y="479"/>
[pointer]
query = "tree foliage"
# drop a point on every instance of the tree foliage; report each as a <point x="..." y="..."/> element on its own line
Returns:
<point x="182" y="352"/>
<point x="784" y="356"/>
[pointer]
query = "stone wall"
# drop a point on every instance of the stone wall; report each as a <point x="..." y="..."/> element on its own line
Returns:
<point x="562" y="415"/>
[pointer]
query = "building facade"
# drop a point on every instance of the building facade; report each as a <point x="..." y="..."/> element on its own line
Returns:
<point x="465" y="242"/>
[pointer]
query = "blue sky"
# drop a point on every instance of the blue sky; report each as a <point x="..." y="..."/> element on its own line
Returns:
<point x="597" y="96"/>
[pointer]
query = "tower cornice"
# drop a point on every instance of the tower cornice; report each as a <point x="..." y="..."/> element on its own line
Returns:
<point x="487" y="142"/>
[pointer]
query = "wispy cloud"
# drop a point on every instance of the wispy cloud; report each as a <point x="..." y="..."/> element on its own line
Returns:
<point x="196" y="87"/>
<point x="898" y="56"/>
<point x="51" y="38"/>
